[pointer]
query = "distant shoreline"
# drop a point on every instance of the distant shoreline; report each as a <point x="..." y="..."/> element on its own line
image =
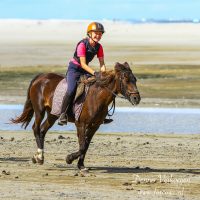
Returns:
<point x="134" y="21"/>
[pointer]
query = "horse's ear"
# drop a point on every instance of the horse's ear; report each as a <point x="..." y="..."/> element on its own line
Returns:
<point x="126" y="65"/>
<point x="117" y="66"/>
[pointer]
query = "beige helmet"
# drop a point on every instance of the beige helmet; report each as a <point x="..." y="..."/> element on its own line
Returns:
<point x="95" y="26"/>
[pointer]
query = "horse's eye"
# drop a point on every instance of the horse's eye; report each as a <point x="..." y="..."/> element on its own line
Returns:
<point x="126" y="76"/>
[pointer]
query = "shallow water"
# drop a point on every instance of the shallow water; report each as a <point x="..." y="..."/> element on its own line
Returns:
<point x="126" y="119"/>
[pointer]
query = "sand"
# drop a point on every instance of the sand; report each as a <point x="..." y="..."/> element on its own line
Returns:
<point x="122" y="166"/>
<point x="52" y="42"/>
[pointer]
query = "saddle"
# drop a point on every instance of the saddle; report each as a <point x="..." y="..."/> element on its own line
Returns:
<point x="81" y="93"/>
<point x="83" y="82"/>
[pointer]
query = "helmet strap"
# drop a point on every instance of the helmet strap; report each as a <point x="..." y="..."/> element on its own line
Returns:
<point x="91" y="38"/>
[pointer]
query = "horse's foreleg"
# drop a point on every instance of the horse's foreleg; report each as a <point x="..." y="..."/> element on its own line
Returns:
<point x="82" y="144"/>
<point x="88" y="137"/>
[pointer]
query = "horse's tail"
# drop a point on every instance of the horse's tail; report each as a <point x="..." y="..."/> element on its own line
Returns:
<point x="28" y="110"/>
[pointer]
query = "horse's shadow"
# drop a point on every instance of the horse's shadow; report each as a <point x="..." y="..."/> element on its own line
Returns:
<point x="143" y="170"/>
<point x="15" y="159"/>
<point x="134" y="170"/>
<point x="111" y="170"/>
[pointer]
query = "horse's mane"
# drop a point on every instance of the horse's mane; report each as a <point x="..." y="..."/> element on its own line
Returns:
<point x="106" y="78"/>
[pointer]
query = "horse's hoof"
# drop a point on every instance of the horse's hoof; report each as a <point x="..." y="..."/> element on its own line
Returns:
<point x="40" y="162"/>
<point x="81" y="166"/>
<point x="35" y="160"/>
<point x="84" y="170"/>
<point x="69" y="159"/>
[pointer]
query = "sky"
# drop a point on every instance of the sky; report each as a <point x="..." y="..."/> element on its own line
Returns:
<point x="100" y="9"/>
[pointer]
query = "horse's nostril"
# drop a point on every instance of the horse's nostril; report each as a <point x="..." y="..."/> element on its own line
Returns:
<point x="136" y="99"/>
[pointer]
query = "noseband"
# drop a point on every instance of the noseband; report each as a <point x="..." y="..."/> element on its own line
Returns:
<point x="126" y="94"/>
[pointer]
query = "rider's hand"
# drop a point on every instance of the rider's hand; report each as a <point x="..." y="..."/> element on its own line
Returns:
<point x="97" y="75"/>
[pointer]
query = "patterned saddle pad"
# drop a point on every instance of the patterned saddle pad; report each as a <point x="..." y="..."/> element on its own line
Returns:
<point x="59" y="95"/>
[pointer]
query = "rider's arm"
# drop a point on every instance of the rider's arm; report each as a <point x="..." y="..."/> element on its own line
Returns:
<point x="102" y="64"/>
<point x="100" y="55"/>
<point x="85" y="66"/>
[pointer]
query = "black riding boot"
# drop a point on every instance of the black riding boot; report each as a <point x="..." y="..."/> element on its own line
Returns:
<point x="63" y="119"/>
<point x="107" y="121"/>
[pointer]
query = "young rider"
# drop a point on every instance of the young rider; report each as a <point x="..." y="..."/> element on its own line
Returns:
<point x="85" y="51"/>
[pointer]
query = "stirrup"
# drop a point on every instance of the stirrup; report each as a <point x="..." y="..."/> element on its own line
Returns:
<point x="62" y="119"/>
<point x="107" y="121"/>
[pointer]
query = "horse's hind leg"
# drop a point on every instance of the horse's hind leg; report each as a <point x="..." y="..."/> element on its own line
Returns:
<point x="46" y="125"/>
<point x="39" y="156"/>
<point x="88" y="137"/>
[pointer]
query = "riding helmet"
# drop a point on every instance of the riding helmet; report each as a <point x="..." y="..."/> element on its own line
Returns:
<point x="95" y="26"/>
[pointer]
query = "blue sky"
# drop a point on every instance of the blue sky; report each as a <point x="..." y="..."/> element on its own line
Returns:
<point x="100" y="9"/>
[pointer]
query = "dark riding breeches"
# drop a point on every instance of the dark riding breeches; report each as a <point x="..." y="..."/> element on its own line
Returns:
<point x="73" y="75"/>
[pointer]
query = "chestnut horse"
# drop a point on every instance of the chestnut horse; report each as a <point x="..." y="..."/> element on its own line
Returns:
<point x="95" y="107"/>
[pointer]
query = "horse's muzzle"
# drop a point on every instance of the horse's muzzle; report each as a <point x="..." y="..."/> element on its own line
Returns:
<point x="135" y="98"/>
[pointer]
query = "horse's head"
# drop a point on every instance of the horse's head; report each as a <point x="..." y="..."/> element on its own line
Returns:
<point x="126" y="83"/>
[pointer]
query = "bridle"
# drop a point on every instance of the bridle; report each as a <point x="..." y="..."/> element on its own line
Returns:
<point x="123" y="92"/>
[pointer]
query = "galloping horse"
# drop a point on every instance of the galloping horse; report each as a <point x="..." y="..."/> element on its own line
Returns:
<point x="95" y="108"/>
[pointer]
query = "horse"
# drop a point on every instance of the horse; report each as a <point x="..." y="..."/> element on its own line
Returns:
<point x="101" y="93"/>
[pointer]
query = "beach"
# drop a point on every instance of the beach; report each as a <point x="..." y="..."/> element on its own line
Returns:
<point x="121" y="166"/>
<point x="52" y="42"/>
<point x="165" y="59"/>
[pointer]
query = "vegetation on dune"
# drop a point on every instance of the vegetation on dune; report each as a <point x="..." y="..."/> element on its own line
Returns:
<point x="154" y="81"/>
<point x="169" y="81"/>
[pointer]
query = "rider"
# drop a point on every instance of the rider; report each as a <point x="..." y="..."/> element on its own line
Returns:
<point x="85" y="51"/>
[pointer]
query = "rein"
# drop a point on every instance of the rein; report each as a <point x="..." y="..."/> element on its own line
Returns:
<point x="124" y="93"/>
<point x="116" y="95"/>
<point x="122" y="90"/>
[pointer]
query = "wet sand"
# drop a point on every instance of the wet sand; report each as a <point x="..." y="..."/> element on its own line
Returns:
<point x="145" y="102"/>
<point x="122" y="166"/>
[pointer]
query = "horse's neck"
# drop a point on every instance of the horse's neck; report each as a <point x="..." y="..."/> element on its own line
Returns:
<point x="109" y="92"/>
